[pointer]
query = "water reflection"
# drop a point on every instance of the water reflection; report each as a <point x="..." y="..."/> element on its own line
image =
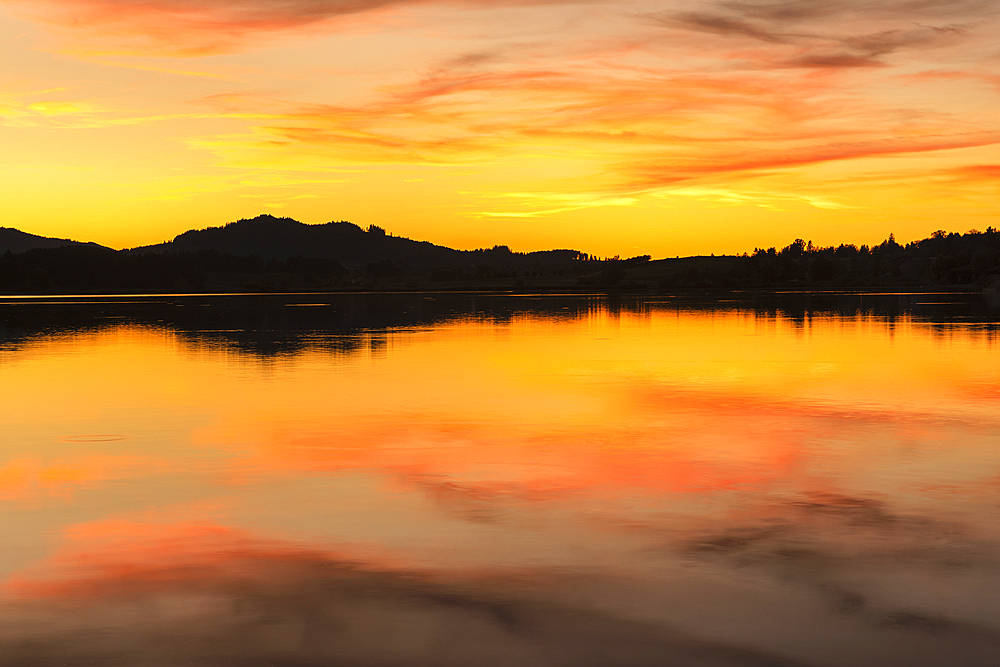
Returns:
<point x="474" y="479"/>
<point x="275" y="325"/>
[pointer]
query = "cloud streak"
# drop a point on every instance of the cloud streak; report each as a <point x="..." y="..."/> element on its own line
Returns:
<point x="198" y="27"/>
<point x="617" y="100"/>
<point x="186" y="26"/>
<point x="653" y="131"/>
<point x="795" y="41"/>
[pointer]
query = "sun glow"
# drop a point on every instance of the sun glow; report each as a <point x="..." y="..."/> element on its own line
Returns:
<point x="674" y="128"/>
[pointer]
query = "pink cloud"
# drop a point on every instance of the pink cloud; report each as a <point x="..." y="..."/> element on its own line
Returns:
<point x="739" y="163"/>
<point x="686" y="91"/>
<point x="197" y="27"/>
<point x="187" y="27"/>
<point x="651" y="128"/>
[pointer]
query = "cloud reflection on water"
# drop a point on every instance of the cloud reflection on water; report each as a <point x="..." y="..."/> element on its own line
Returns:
<point x="202" y="594"/>
<point x="615" y="484"/>
<point x="154" y="594"/>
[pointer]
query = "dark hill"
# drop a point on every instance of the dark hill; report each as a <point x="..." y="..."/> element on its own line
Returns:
<point x="281" y="239"/>
<point x="281" y="254"/>
<point x="275" y="254"/>
<point x="15" y="241"/>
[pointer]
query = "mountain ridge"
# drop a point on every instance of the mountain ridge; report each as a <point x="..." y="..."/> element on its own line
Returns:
<point x="15" y="241"/>
<point x="273" y="238"/>
<point x="281" y="254"/>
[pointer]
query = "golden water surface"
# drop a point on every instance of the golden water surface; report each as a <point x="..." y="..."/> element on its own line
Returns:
<point x="573" y="483"/>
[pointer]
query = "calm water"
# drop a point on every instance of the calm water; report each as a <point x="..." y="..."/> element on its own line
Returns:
<point x="484" y="480"/>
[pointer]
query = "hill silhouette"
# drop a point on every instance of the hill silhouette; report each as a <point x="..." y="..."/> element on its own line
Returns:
<point x="283" y="255"/>
<point x="15" y="241"/>
<point x="281" y="239"/>
<point x="267" y="253"/>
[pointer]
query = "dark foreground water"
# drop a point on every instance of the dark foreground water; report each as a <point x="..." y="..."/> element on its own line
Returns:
<point x="476" y="480"/>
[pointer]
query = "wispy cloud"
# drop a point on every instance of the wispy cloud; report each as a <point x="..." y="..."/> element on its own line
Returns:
<point x="575" y="103"/>
<point x="641" y="130"/>
<point x="539" y="204"/>
<point x="198" y="27"/>
<point x="827" y="35"/>
<point x="722" y="25"/>
<point x="185" y="26"/>
<point x="718" y="195"/>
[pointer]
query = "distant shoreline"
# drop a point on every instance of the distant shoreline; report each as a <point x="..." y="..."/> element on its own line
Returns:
<point x="682" y="291"/>
<point x="281" y="255"/>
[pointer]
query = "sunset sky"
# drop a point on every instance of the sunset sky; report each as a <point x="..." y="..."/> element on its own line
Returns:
<point x="672" y="127"/>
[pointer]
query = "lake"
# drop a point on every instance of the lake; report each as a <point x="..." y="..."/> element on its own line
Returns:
<point x="475" y="479"/>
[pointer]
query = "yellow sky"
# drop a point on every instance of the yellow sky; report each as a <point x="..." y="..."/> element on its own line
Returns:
<point x="672" y="127"/>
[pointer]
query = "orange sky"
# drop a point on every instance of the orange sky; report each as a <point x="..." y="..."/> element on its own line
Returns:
<point x="673" y="127"/>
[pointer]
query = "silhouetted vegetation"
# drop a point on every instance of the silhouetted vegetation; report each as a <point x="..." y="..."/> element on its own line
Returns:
<point x="16" y="241"/>
<point x="273" y="238"/>
<point x="279" y="254"/>
<point x="942" y="259"/>
<point x="273" y="254"/>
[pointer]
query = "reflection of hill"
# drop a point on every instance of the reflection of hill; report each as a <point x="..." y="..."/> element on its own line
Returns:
<point x="272" y="325"/>
<point x="266" y="326"/>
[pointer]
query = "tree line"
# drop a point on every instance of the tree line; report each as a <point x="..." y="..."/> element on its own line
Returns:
<point x="944" y="258"/>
